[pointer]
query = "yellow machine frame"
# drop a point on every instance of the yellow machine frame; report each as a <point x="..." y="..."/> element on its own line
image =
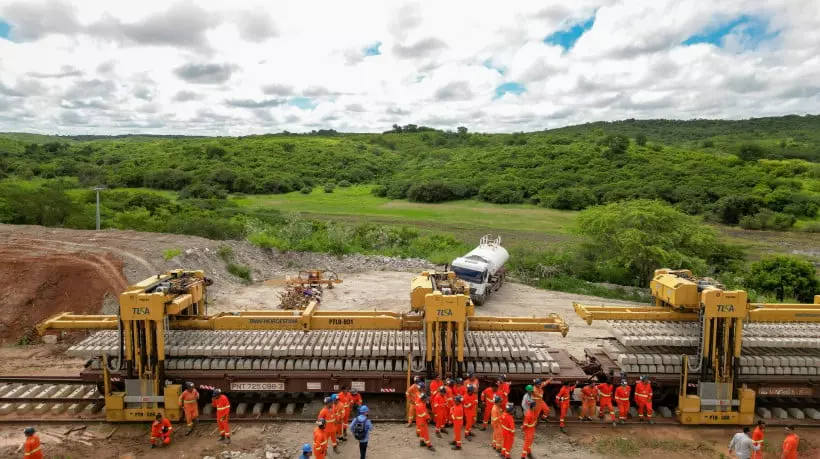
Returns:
<point x="440" y="305"/>
<point x="679" y="297"/>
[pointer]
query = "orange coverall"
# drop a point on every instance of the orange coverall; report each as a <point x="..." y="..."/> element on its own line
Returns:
<point x="355" y="401"/>
<point x="530" y="420"/>
<point x="757" y="439"/>
<point x="622" y="398"/>
<point x="31" y="449"/>
<point x="422" y="417"/>
<point x="790" y="446"/>
<point x="470" y="407"/>
<point x="223" y="410"/>
<point x="562" y="400"/>
<point x="412" y="396"/>
<point x="498" y="436"/>
<point x="435" y="384"/>
<point x="504" y="391"/>
<point x="158" y="435"/>
<point x="188" y="399"/>
<point x="345" y="401"/>
<point x="541" y="408"/>
<point x="450" y="396"/>
<point x="329" y="415"/>
<point x="320" y="443"/>
<point x="605" y="399"/>
<point x="460" y="389"/>
<point x="440" y="411"/>
<point x="643" y="398"/>
<point x="508" y="429"/>
<point x="488" y="396"/>
<point x="457" y="416"/>
<point x="588" y="399"/>
<point x="339" y="410"/>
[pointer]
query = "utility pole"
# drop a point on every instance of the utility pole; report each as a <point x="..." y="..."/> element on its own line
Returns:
<point x="98" y="189"/>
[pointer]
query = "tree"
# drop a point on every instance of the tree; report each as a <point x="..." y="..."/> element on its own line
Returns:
<point x="462" y="131"/>
<point x="751" y="152"/>
<point x="640" y="139"/>
<point x="642" y="236"/>
<point x="618" y="144"/>
<point x="784" y="277"/>
<point x="730" y="209"/>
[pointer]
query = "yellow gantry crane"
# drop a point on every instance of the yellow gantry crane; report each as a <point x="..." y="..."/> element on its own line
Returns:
<point x="176" y="300"/>
<point x="680" y="297"/>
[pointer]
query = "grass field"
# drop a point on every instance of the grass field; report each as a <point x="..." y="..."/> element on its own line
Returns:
<point x="515" y="223"/>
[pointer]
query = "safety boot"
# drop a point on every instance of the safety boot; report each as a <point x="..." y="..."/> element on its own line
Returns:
<point x="431" y="448"/>
<point x="189" y="431"/>
<point x="563" y="430"/>
<point x="456" y="447"/>
<point x="336" y="449"/>
<point x="438" y="434"/>
<point x="227" y="440"/>
<point x="343" y="438"/>
<point x="409" y="424"/>
<point x="422" y="444"/>
<point x="530" y="456"/>
<point x="651" y="421"/>
<point x="221" y="438"/>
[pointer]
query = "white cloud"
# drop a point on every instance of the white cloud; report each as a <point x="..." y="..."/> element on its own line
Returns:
<point x="235" y="66"/>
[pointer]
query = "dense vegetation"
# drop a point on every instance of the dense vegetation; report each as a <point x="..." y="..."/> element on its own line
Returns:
<point x="638" y="184"/>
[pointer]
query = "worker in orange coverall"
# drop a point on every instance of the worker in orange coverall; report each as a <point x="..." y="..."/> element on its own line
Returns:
<point x="589" y="399"/>
<point x="498" y="436"/>
<point x="460" y="388"/>
<point x="470" y="409"/>
<point x="320" y="439"/>
<point x="411" y="396"/>
<point x="488" y="397"/>
<point x="422" y="418"/>
<point x="440" y="410"/>
<point x="161" y="432"/>
<point x="339" y="410"/>
<point x="622" y="399"/>
<point x="435" y="384"/>
<point x="643" y="398"/>
<point x="562" y="400"/>
<point x="31" y="448"/>
<point x="223" y="410"/>
<point x="450" y="389"/>
<point x="328" y="413"/>
<point x="508" y="430"/>
<point x="541" y="408"/>
<point x="757" y="439"/>
<point x="530" y="420"/>
<point x="189" y="399"/>
<point x="344" y="405"/>
<point x="355" y="402"/>
<point x="503" y="390"/>
<point x="457" y="416"/>
<point x="605" y="401"/>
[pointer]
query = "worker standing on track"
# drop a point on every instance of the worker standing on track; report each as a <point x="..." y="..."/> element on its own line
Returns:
<point x="450" y="396"/>
<point x="589" y="398"/>
<point x="470" y="409"/>
<point x="440" y="410"/>
<point x="605" y="401"/>
<point x="530" y="421"/>
<point x="329" y="415"/>
<point x="622" y="399"/>
<point x="498" y="436"/>
<point x="223" y="410"/>
<point x="161" y="432"/>
<point x="508" y="431"/>
<point x="411" y="396"/>
<point x="189" y="399"/>
<point x="320" y="439"/>
<point x="338" y="409"/>
<point x="562" y="401"/>
<point x="643" y="398"/>
<point x="457" y="416"/>
<point x="757" y="439"/>
<point x="488" y="398"/>
<point x="422" y="418"/>
<point x="541" y="408"/>
<point x="790" y="444"/>
<point x="503" y="389"/>
<point x="344" y="419"/>
<point x="31" y="448"/>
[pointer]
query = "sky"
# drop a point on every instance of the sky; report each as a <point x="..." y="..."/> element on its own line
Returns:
<point x="242" y="67"/>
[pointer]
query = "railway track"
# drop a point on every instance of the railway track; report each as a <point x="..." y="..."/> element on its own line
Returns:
<point x="67" y="400"/>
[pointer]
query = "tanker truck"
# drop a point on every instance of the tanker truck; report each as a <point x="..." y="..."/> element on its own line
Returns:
<point x="482" y="268"/>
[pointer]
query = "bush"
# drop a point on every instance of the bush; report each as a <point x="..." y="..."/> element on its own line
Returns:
<point x="640" y="139"/>
<point x="344" y="183"/>
<point x="170" y="254"/>
<point x="435" y="191"/>
<point x="784" y="276"/>
<point x="306" y="190"/>
<point x="225" y="252"/>
<point x="575" y="198"/>
<point x="751" y="152"/>
<point x="811" y="227"/>
<point x="329" y="187"/>
<point x="501" y="193"/>
<point x="240" y="271"/>
<point x="202" y="191"/>
<point x="730" y="209"/>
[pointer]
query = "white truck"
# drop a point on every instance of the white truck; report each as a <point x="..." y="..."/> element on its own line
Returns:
<point x="482" y="268"/>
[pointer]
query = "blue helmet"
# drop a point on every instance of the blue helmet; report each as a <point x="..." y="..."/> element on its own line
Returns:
<point x="334" y="397"/>
<point x="537" y="381"/>
<point x="306" y="448"/>
<point x="364" y="409"/>
<point x="328" y="400"/>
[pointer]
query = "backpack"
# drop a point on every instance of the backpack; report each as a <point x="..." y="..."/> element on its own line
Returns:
<point x="359" y="428"/>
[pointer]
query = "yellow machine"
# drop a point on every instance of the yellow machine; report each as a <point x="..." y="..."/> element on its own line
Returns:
<point x="680" y="297"/>
<point x="440" y="308"/>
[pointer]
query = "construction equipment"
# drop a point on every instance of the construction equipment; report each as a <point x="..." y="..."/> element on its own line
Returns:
<point x="723" y="351"/>
<point x="483" y="268"/>
<point x="172" y="338"/>
<point x="303" y="288"/>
